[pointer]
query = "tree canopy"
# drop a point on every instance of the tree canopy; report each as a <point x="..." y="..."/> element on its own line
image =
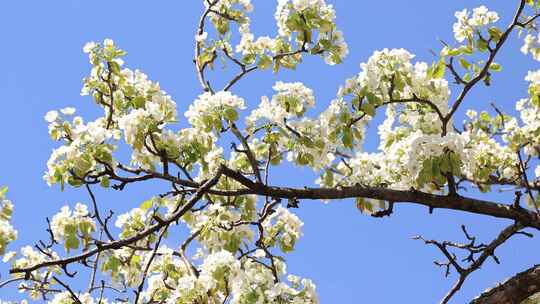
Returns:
<point x="217" y="170"/>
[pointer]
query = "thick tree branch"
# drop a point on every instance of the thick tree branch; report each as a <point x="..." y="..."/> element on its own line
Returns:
<point x="432" y="201"/>
<point x="526" y="217"/>
<point x="514" y="290"/>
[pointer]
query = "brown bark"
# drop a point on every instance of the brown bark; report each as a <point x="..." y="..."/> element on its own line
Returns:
<point x="514" y="290"/>
<point x="433" y="201"/>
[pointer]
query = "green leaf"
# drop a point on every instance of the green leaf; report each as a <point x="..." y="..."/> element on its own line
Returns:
<point x="347" y="138"/>
<point x="328" y="178"/>
<point x="112" y="264"/>
<point x="372" y="98"/>
<point x="304" y="159"/>
<point x="222" y="25"/>
<point x="464" y="63"/>
<point x="277" y="63"/>
<point x="438" y="71"/>
<point x="249" y="59"/>
<point x="114" y="67"/>
<point x="264" y="62"/>
<point x="230" y="114"/>
<point x="138" y="102"/>
<point x="481" y="45"/>
<point x="445" y="164"/>
<point x="147" y="204"/>
<point x="466" y="49"/>
<point x="3" y="191"/>
<point x="487" y="80"/>
<point x="364" y="205"/>
<point x="72" y="242"/>
<point x="455" y="52"/>
<point x="495" y="67"/>
<point x="435" y="168"/>
<point x="369" y="109"/>
<point x="86" y="229"/>
<point x="104" y="182"/>
<point x="495" y="34"/>
<point x="205" y="57"/>
<point x="455" y="163"/>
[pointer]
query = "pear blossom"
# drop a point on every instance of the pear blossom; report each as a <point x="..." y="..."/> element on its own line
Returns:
<point x="467" y="24"/>
<point x="51" y="116"/>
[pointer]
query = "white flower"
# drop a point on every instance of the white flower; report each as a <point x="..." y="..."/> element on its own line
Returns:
<point x="291" y="99"/>
<point x="259" y="253"/>
<point x="482" y="16"/>
<point x="533" y="77"/>
<point x="8" y="256"/>
<point x="122" y="220"/>
<point x="68" y="224"/>
<point x="108" y="42"/>
<point x="209" y="109"/>
<point x="51" y="116"/>
<point x="471" y="114"/>
<point x="340" y="51"/>
<point x="68" y="111"/>
<point x="201" y="37"/>
<point x="532" y="45"/>
<point x="89" y="46"/>
<point x="465" y="27"/>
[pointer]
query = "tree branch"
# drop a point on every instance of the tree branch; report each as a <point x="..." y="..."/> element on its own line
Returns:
<point x="469" y="85"/>
<point x="125" y="242"/>
<point x="514" y="290"/>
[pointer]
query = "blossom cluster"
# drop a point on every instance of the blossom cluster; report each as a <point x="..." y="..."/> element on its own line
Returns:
<point x="305" y="16"/>
<point x="285" y="225"/>
<point x="526" y="135"/>
<point x="307" y="141"/>
<point x="291" y="100"/>
<point x="7" y="232"/>
<point x="85" y="149"/>
<point x="70" y="226"/>
<point x="531" y="45"/>
<point x="221" y="273"/>
<point x="467" y="25"/>
<point x="389" y="75"/>
<point x="30" y="257"/>
<point x="209" y="110"/>
<point x="84" y="298"/>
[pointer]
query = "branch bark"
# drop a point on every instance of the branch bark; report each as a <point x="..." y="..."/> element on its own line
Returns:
<point x="432" y="201"/>
<point x="514" y="290"/>
<point x="100" y="247"/>
<point x="477" y="206"/>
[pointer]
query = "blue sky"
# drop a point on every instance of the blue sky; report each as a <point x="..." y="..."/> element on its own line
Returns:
<point x="351" y="257"/>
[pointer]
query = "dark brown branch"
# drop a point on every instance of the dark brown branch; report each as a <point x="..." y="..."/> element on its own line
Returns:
<point x="125" y="242"/>
<point x="247" y="150"/>
<point x="461" y="203"/>
<point x="476" y="206"/>
<point x="149" y="263"/>
<point x="73" y="295"/>
<point x="96" y="212"/>
<point x="457" y="77"/>
<point x="485" y="252"/>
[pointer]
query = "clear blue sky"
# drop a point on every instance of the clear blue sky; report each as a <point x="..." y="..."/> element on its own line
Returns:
<point x="351" y="257"/>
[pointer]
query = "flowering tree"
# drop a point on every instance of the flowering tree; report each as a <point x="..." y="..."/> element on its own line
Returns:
<point x="241" y="227"/>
